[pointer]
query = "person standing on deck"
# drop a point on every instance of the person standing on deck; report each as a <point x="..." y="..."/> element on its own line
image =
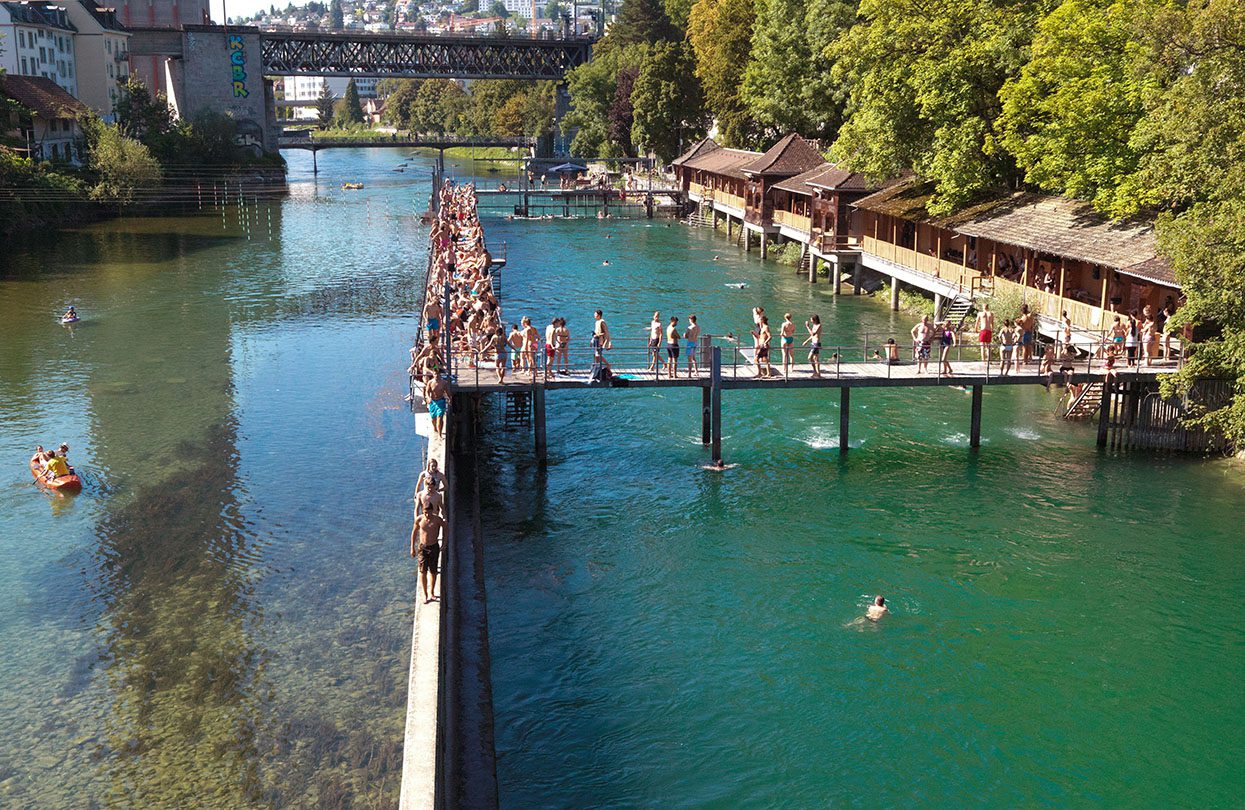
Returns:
<point x="437" y="395"/>
<point x="1069" y="349"/>
<point x="691" y="336"/>
<point x="497" y="343"/>
<point x="946" y="339"/>
<point x="515" y="342"/>
<point x="761" y="339"/>
<point x="672" y="348"/>
<point x="922" y="336"/>
<point x="654" y="342"/>
<point x="531" y="344"/>
<point x="1026" y="323"/>
<point x="787" y="333"/>
<point x="985" y="331"/>
<point x="600" y="339"/>
<point x="1008" y="337"/>
<point x="813" y="325"/>
<point x="426" y="546"/>
<point x="562" y="344"/>
<point x="551" y="352"/>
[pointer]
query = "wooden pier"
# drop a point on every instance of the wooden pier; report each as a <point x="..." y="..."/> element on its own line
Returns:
<point x="733" y="369"/>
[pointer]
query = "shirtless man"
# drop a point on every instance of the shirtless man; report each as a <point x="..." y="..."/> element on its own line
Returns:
<point x="531" y="341"/>
<point x="786" y="333"/>
<point x="515" y="342"/>
<point x="428" y="486"/>
<point x="672" y="348"/>
<point x="432" y="316"/>
<point x="762" y="337"/>
<point x="437" y="395"/>
<point x="1026" y="322"/>
<point x="551" y="344"/>
<point x="922" y="336"/>
<point x="691" y="337"/>
<point x="426" y="546"/>
<point x="813" y="325"/>
<point x="600" y="338"/>
<point x="877" y="610"/>
<point x="497" y="343"/>
<point x="985" y="331"/>
<point x="654" y="341"/>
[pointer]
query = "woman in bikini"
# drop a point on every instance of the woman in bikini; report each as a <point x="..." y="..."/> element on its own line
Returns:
<point x="813" y="325"/>
<point x="787" y="333"/>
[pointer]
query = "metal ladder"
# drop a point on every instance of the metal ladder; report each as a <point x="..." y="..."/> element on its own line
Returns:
<point x="958" y="311"/>
<point x="518" y="411"/>
<point x="1087" y="404"/>
<point x="698" y="218"/>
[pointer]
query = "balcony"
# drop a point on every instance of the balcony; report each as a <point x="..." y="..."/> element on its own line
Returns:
<point x="795" y="222"/>
<point x="952" y="277"/>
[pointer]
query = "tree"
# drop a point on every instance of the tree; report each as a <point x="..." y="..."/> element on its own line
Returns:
<point x="399" y="94"/>
<point x="922" y="84"/>
<point x="593" y="87"/>
<point x="641" y="22"/>
<point x="349" y="111"/>
<point x="336" y="19"/>
<point x="140" y="114"/>
<point x="121" y="164"/>
<point x="720" y="32"/>
<point x="1068" y="117"/>
<point x="498" y="9"/>
<point x="438" y="107"/>
<point x="620" y="117"/>
<point x="508" y="119"/>
<point x="324" y="106"/>
<point x="554" y="10"/>
<point x="667" y="101"/>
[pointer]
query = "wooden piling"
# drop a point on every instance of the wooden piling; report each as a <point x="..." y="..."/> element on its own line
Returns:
<point x="974" y="430"/>
<point x="538" y="422"/>
<point x="715" y="404"/>
<point x="812" y="269"/>
<point x="845" y="401"/>
<point x="706" y="416"/>
<point x="894" y="294"/>
<point x="1104" y="414"/>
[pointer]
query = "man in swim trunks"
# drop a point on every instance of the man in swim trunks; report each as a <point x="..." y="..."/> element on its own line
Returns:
<point x="877" y="610"/>
<point x="1026" y="322"/>
<point x="813" y="325"/>
<point x="437" y="395"/>
<point x="531" y="342"/>
<point x="600" y="339"/>
<point x="432" y="315"/>
<point x="762" y="336"/>
<point x="654" y="341"/>
<point x="515" y="342"/>
<point x="691" y="337"/>
<point x="985" y="331"/>
<point x="672" y="348"/>
<point x="922" y="336"/>
<point x="426" y="546"/>
<point x="551" y="341"/>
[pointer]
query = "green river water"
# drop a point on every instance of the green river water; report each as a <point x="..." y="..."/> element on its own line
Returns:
<point x="222" y="618"/>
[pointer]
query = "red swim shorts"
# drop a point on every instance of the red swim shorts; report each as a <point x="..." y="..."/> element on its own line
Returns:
<point x="985" y="336"/>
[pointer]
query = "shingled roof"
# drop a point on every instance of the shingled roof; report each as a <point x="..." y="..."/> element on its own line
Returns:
<point x="703" y="146"/>
<point x="42" y="96"/>
<point x="790" y="156"/>
<point x="718" y="159"/>
<point x="828" y="176"/>
<point x="1055" y="225"/>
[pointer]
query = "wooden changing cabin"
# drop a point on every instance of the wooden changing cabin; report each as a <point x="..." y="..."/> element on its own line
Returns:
<point x="1057" y="254"/>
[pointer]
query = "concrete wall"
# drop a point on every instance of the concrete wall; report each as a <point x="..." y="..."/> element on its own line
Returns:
<point x="222" y="71"/>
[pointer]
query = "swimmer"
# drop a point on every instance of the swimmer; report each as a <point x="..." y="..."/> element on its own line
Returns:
<point x="718" y="466"/>
<point x="877" y="610"/>
<point x="605" y="263"/>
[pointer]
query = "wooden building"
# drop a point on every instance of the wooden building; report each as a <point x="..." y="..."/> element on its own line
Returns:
<point x="1057" y="254"/>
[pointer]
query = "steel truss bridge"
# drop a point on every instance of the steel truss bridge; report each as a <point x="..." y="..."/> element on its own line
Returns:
<point x="420" y="56"/>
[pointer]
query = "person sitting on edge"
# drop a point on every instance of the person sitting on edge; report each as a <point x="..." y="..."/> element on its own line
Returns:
<point x="877" y="610"/>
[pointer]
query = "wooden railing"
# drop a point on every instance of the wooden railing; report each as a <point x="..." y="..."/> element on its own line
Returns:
<point x="1084" y="316"/>
<point x="794" y="221"/>
<point x="717" y="195"/>
<point x="948" y="271"/>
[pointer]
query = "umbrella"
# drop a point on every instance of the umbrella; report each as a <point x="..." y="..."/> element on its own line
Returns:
<point x="568" y="167"/>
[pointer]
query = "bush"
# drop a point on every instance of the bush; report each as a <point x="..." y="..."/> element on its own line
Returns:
<point x="910" y="301"/>
<point x="787" y="253"/>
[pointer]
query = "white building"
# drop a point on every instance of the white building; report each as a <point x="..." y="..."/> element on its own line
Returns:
<point x="102" y="49"/>
<point x="39" y="41"/>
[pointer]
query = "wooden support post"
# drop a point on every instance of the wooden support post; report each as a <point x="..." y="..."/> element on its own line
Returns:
<point x="706" y="415"/>
<point x="894" y="293"/>
<point x="1104" y="414"/>
<point x="715" y="404"/>
<point x="747" y="238"/>
<point x="730" y="227"/>
<point x="538" y="422"/>
<point x="856" y="267"/>
<point x="937" y="306"/>
<point x="845" y="401"/>
<point x="974" y="430"/>
<point x="812" y="267"/>
<point x="764" y="246"/>
<point x="315" y="167"/>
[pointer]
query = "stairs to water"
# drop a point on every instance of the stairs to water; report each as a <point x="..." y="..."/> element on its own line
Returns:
<point x="1087" y="403"/>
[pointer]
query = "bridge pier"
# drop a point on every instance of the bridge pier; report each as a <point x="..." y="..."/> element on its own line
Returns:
<point x="974" y="430"/>
<point x="845" y="402"/>
<point x="813" y="261"/>
<point x="315" y="167"/>
<point x="730" y="227"/>
<point x="715" y="405"/>
<point x="538" y="423"/>
<point x="1104" y="414"/>
<point x="706" y="416"/>
<point x="894" y="294"/>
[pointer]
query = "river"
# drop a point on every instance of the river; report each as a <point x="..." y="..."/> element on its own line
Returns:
<point x="222" y="617"/>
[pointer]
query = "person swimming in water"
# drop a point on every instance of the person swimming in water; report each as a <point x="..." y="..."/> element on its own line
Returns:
<point x="877" y="610"/>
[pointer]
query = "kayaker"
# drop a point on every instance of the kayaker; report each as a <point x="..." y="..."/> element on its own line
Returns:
<point x="40" y="457"/>
<point x="70" y="314"/>
<point x="57" y="466"/>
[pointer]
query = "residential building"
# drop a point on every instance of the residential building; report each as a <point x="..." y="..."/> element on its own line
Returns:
<point x="39" y="41"/>
<point x="102" y="47"/>
<point x="49" y="126"/>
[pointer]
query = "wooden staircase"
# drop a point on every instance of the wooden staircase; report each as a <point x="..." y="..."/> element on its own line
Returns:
<point x="1087" y="404"/>
<point x="958" y="311"/>
<point x="806" y="261"/>
<point x="699" y="219"/>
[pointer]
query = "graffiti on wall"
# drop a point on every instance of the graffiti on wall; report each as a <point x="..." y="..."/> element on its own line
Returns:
<point x="237" y="63"/>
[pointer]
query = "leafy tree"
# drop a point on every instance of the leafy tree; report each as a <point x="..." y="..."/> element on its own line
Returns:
<point x="720" y="32"/>
<point x="336" y="20"/>
<point x="1068" y="118"/>
<point x="1193" y="142"/>
<point x="922" y="84"/>
<point x="438" y="107"/>
<point x="593" y="87"/>
<point x="508" y="119"/>
<point x="324" y="105"/>
<point x="399" y="95"/>
<point x="349" y="111"/>
<point x="620" y="117"/>
<point x="121" y="164"/>
<point x="140" y="114"/>
<point x="641" y="22"/>
<point x="498" y="9"/>
<point x="667" y="101"/>
<point x="554" y="10"/>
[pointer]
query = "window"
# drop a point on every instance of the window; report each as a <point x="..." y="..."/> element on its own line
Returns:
<point x="108" y="45"/>
<point x="21" y="38"/>
<point x="23" y="65"/>
<point x="110" y="72"/>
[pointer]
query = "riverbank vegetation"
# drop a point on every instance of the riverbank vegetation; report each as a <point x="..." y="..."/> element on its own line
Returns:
<point x="489" y="108"/>
<point x="1137" y="106"/>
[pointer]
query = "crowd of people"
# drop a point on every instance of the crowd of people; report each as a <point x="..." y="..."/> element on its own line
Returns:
<point x="53" y="463"/>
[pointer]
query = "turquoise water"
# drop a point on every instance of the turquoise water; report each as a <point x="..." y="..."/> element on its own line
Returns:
<point x="1067" y="625"/>
<point x="222" y="618"/>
